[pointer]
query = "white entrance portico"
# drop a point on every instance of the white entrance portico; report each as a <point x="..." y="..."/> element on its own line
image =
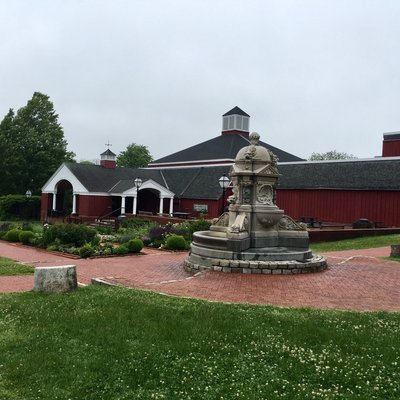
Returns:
<point x="147" y="185"/>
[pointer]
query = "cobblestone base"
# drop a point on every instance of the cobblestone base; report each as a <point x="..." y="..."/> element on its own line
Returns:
<point x="314" y="264"/>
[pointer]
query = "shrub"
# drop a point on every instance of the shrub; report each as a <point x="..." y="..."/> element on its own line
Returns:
<point x="26" y="236"/>
<point x="200" y="225"/>
<point x="146" y="240"/>
<point x="123" y="249"/>
<point x="157" y="233"/>
<point x="104" y="230"/>
<point x="86" y="250"/>
<point x="19" y="207"/>
<point x="13" y="235"/>
<point x="135" y="245"/>
<point x="156" y="243"/>
<point x="107" y="251"/>
<point x="73" y="234"/>
<point x="124" y="237"/>
<point x="134" y="223"/>
<point x="5" y="226"/>
<point x="95" y="241"/>
<point x="37" y="240"/>
<point x="176" y="242"/>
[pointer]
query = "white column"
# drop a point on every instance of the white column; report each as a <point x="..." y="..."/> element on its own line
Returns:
<point x="122" y="205"/>
<point x="161" y="204"/>
<point x="54" y="200"/>
<point x="171" y="206"/>
<point x="73" y="203"/>
<point x="134" y="211"/>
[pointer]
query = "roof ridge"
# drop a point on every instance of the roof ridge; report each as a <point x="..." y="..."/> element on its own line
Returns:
<point x="191" y="181"/>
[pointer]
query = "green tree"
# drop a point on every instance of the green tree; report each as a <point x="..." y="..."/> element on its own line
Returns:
<point x="331" y="155"/>
<point x="135" y="156"/>
<point x="9" y="157"/>
<point x="35" y="146"/>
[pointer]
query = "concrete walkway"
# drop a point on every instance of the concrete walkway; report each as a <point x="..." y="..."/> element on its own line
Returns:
<point x="356" y="279"/>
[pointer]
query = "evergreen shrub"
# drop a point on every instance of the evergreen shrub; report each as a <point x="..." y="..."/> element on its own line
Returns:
<point x="26" y="236"/>
<point x="19" y="207"/>
<point x="135" y="245"/>
<point x="123" y="249"/>
<point x="200" y="225"/>
<point x="86" y="250"/>
<point x="176" y="242"/>
<point x="13" y="235"/>
<point x="72" y="234"/>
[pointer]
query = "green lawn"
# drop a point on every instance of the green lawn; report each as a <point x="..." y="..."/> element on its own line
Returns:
<point x="9" y="267"/>
<point x="367" y="242"/>
<point x="114" y="343"/>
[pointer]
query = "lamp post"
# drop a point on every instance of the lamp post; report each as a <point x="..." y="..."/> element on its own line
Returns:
<point x="28" y="194"/>
<point x="224" y="183"/>
<point x="138" y="182"/>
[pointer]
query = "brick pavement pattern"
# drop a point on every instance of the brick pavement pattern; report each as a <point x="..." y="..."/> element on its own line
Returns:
<point x="355" y="280"/>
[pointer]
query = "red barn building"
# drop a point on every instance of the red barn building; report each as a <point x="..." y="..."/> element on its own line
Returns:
<point x="186" y="183"/>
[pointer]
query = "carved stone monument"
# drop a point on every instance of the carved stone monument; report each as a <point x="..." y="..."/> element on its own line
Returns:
<point x="254" y="236"/>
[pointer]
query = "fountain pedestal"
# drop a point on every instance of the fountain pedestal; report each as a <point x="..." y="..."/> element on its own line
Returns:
<point x="254" y="236"/>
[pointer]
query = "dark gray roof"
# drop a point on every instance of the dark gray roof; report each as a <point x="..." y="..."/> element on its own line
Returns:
<point x="199" y="182"/>
<point x="195" y="183"/>
<point x="108" y="152"/>
<point x="375" y="174"/>
<point x="202" y="182"/>
<point x="223" y="147"/>
<point x="236" y="111"/>
<point x="96" y="178"/>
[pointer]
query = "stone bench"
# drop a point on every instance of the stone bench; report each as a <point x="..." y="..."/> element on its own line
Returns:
<point x="55" y="279"/>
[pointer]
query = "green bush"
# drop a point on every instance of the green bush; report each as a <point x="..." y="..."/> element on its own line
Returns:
<point x="125" y="236"/>
<point x="199" y="225"/>
<point x="13" y="235"/>
<point x="72" y="234"/>
<point x="104" y="230"/>
<point x="134" y="223"/>
<point x="176" y="242"/>
<point x="123" y="249"/>
<point x="86" y="250"/>
<point x="37" y="240"/>
<point x="19" y="207"/>
<point x="135" y="245"/>
<point x="26" y="236"/>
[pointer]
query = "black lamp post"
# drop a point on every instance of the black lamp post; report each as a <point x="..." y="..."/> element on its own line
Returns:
<point x="28" y="194"/>
<point x="138" y="182"/>
<point x="224" y="183"/>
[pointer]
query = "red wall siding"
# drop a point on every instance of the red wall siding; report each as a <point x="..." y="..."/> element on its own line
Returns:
<point x="341" y="206"/>
<point x="391" y="148"/>
<point x="186" y="205"/>
<point x="46" y="203"/>
<point x="94" y="206"/>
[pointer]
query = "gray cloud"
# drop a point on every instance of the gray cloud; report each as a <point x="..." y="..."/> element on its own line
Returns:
<point x="313" y="75"/>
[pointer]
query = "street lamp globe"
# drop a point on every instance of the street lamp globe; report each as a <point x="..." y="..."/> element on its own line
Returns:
<point x="138" y="182"/>
<point x="223" y="181"/>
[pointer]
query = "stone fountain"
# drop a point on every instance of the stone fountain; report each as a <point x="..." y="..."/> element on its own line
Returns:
<point x="255" y="236"/>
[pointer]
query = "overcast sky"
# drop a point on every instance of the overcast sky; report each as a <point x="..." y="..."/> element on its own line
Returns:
<point x="313" y="75"/>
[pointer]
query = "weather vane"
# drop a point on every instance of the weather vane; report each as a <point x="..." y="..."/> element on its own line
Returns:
<point x="108" y="144"/>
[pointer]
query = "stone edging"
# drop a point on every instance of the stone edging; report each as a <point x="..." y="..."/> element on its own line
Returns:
<point x="315" y="264"/>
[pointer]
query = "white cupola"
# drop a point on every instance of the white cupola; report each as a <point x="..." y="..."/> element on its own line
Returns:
<point x="236" y="121"/>
<point x="107" y="159"/>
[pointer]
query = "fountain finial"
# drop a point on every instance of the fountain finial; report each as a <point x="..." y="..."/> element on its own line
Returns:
<point x="254" y="138"/>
